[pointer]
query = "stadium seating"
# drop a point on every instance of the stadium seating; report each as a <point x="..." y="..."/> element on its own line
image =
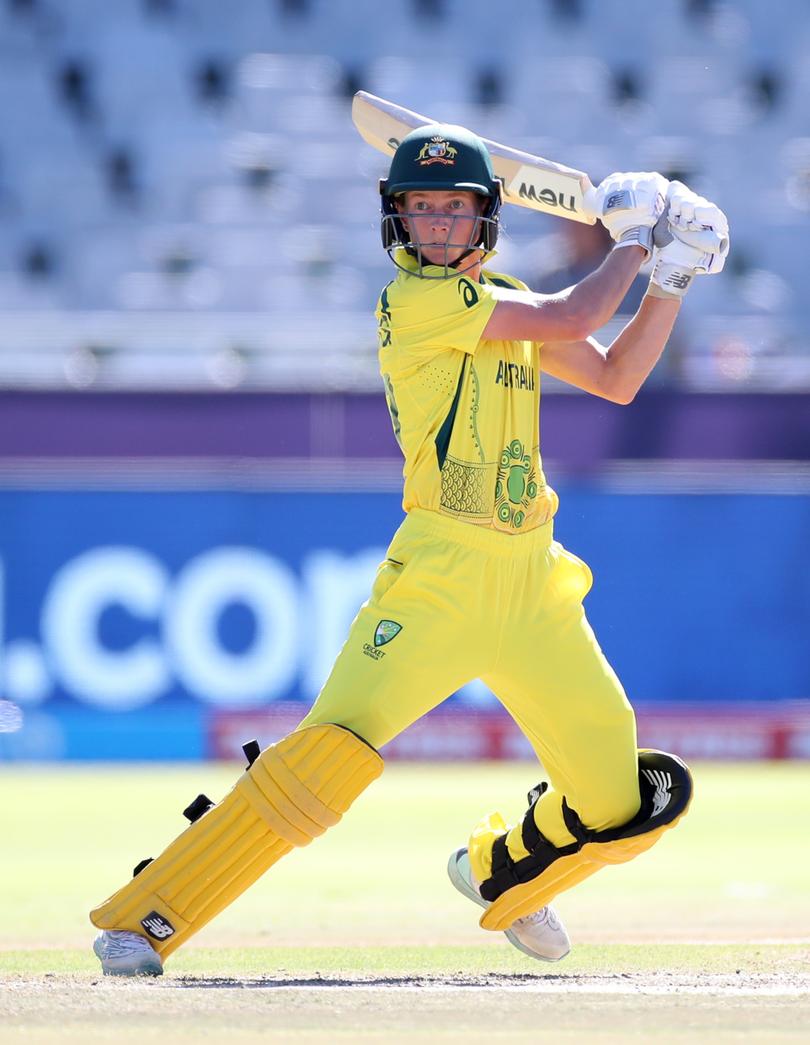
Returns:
<point x="197" y="159"/>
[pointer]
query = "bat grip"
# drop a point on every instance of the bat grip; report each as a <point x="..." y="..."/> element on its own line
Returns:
<point x="589" y="205"/>
<point x="707" y="239"/>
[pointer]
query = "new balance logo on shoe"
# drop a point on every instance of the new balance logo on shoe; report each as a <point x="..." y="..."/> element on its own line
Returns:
<point x="157" y="926"/>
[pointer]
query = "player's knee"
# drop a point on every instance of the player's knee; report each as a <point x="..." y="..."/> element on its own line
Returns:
<point x="617" y="810"/>
<point x="609" y="798"/>
<point x="306" y="782"/>
<point x="364" y="725"/>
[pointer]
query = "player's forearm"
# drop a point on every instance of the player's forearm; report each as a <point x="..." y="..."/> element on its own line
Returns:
<point x="632" y="356"/>
<point x="572" y="314"/>
<point x="595" y="300"/>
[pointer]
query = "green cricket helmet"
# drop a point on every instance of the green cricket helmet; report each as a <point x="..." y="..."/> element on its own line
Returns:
<point x="440" y="156"/>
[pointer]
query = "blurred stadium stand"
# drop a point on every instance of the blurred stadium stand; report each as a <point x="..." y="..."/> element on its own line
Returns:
<point x="185" y="206"/>
<point x="185" y="203"/>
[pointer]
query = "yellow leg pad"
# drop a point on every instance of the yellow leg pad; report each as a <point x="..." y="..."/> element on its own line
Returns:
<point x="291" y="794"/>
<point x="563" y="874"/>
<point x="520" y="887"/>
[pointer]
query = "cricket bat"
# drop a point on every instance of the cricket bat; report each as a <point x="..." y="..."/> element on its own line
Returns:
<point x="528" y="181"/>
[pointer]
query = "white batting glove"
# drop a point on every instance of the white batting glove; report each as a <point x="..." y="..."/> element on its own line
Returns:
<point x="630" y="205"/>
<point x="689" y="214"/>
<point x="694" y="242"/>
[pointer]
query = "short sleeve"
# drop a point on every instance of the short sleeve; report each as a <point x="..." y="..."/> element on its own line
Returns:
<point x="431" y="315"/>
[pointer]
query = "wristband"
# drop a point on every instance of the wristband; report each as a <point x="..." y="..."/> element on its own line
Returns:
<point x="673" y="279"/>
<point x="638" y="236"/>
<point x="654" y="291"/>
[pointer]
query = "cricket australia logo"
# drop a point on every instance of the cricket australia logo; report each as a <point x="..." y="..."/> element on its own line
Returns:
<point x="515" y="485"/>
<point x="157" y="926"/>
<point x="437" y="150"/>
<point x="386" y="630"/>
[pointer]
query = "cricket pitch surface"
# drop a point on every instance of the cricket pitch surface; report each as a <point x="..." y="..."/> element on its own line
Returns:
<point x="361" y="938"/>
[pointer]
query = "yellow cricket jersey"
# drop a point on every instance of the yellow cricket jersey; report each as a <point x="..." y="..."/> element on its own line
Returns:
<point x="465" y="411"/>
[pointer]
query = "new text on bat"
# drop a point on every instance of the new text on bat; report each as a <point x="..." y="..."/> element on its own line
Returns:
<point x="547" y="196"/>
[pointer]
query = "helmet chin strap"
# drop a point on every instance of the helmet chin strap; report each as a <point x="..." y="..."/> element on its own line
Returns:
<point x="464" y="256"/>
<point x="416" y="253"/>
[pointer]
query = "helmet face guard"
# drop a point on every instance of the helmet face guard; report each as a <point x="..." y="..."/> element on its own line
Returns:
<point x="440" y="157"/>
<point x="483" y="234"/>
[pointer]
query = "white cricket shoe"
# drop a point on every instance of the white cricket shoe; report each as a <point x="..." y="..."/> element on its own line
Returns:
<point x="541" y="935"/>
<point x="126" y="954"/>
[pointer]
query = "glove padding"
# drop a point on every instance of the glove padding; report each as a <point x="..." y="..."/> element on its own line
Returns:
<point x="630" y="205"/>
<point x="693" y="242"/>
<point x="689" y="213"/>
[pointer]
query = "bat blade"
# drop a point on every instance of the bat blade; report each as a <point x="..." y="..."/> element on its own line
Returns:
<point x="529" y="181"/>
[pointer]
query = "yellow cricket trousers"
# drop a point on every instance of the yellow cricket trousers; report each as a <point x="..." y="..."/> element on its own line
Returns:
<point x="454" y="602"/>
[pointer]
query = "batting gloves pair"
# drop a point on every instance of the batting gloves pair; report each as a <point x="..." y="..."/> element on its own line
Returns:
<point x="689" y="235"/>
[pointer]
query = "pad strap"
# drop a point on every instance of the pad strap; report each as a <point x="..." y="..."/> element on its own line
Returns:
<point x="507" y="872"/>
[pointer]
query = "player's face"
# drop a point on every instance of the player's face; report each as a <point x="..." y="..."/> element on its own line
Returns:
<point x="443" y="223"/>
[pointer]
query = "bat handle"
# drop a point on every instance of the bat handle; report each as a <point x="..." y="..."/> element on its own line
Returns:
<point x="707" y="239"/>
<point x="589" y="205"/>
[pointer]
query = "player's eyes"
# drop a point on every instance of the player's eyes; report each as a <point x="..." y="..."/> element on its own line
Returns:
<point x="423" y="205"/>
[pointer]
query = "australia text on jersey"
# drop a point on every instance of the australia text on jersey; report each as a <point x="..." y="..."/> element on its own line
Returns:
<point x="515" y="375"/>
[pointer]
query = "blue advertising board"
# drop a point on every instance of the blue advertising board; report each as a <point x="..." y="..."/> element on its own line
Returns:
<point x="127" y="618"/>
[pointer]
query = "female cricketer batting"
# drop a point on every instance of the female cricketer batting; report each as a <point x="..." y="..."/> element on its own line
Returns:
<point x="474" y="584"/>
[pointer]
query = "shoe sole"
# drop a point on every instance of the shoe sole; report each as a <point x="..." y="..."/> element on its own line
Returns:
<point x="463" y="886"/>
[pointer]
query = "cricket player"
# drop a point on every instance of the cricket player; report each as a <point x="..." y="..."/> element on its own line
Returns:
<point x="474" y="584"/>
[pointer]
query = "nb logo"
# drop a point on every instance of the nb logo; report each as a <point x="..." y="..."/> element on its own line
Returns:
<point x="157" y="926"/>
<point x="662" y="782"/>
<point x="680" y="280"/>
<point x="617" y="199"/>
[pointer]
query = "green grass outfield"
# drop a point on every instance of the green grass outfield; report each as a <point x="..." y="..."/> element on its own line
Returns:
<point x="353" y="936"/>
